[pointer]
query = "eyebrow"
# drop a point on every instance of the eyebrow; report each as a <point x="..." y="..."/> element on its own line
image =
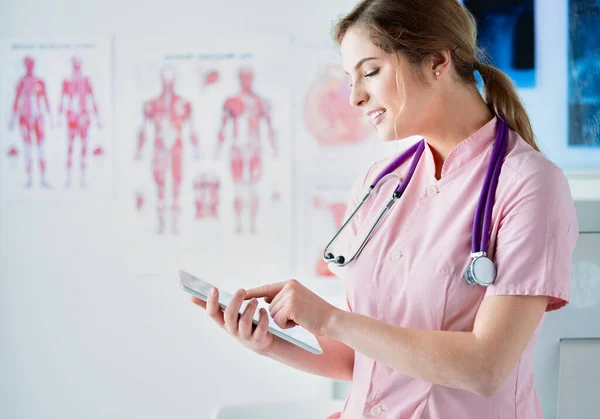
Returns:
<point x="358" y="64"/>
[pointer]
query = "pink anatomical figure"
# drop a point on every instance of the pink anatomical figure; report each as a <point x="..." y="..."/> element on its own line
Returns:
<point x="98" y="153"/>
<point x="337" y="211"/>
<point x="139" y="201"/>
<point x="327" y="113"/>
<point x="244" y="112"/>
<point x="13" y="154"/>
<point x="167" y="113"/>
<point x="206" y="188"/>
<point x="76" y="91"/>
<point x="211" y="77"/>
<point x="30" y="102"/>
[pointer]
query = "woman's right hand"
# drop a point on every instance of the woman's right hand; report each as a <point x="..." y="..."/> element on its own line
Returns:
<point x="257" y="339"/>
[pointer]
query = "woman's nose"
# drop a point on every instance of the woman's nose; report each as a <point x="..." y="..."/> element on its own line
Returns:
<point x="357" y="96"/>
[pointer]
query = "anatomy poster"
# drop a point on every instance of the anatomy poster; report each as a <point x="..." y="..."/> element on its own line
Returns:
<point x="326" y="216"/>
<point x="506" y="33"/>
<point x="204" y="154"/>
<point x="584" y="74"/>
<point x="55" y="107"/>
<point x="321" y="201"/>
<point x="325" y="124"/>
<point x="334" y="145"/>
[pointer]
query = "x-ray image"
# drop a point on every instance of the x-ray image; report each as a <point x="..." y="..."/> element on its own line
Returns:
<point x="584" y="73"/>
<point x="506" y="34"/>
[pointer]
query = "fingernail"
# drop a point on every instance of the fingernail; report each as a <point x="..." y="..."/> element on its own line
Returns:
<point x="213" y="292"/>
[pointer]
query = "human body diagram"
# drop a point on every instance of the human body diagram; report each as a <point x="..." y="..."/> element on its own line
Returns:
<point x="167" y="115"/>
<point x="30" y="107"/>
<point x="245" y="111"/>
<point x="76" y="91"/>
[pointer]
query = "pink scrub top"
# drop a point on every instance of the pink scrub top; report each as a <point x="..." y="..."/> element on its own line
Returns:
<point x="411" y="272"/>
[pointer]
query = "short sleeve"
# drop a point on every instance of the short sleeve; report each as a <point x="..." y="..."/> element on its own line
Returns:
<point x="536" y="237"/>
<point x="343" y="243"/>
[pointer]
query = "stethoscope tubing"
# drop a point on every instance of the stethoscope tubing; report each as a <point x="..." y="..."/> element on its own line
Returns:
<point x="480" y="233"/>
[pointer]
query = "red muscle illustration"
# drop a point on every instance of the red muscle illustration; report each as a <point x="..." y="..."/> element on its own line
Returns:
<point x="245" y="111"/>
<point x="206" y="188"/>
<point x="327" y="113"/>
<point x="76" y="90"/>
<point x="167" y="114"/>
<point x="30" y="101"/>
<point x="337" y="211"/>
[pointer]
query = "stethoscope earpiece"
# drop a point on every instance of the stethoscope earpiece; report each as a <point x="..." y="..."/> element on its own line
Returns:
<point x="330" y="258"/>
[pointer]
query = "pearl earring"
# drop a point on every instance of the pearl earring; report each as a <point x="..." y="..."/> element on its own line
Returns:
<point x="437" y="73"/>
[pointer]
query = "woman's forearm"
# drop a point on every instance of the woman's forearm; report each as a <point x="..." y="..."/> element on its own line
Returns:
<point x="448" y="358"/>
<point x="336" y="362"/>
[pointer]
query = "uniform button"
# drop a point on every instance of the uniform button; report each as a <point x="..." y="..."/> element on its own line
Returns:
<point x="432" y="190"/>
<point x="376" y="410"/>
<point x="396" y="254"/>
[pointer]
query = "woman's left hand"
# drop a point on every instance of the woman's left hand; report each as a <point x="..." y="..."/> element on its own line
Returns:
<point x="291" y="304"/>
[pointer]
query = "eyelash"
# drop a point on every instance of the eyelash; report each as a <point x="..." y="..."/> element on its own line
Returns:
<point x="371" y="74"/>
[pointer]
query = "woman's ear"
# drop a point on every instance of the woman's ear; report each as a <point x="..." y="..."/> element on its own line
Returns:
<point x="438" y="64"/>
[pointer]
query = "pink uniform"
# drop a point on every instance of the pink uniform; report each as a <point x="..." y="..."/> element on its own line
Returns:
<point x="411" y="272"/>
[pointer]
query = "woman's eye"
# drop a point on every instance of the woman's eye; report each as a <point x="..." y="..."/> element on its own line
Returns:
<point x="372" y="73"/>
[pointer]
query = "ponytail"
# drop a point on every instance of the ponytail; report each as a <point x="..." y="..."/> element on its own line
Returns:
<point x="502" y="99"/>
<point x="397" y="27"/>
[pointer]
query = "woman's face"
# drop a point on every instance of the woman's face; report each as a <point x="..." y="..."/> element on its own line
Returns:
<point x="390" y="91"/>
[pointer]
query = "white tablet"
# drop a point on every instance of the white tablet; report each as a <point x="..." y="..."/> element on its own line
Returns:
<point x="296" y="335"/>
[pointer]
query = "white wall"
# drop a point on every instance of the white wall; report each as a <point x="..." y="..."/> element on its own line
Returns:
<point x="79" y="337"/>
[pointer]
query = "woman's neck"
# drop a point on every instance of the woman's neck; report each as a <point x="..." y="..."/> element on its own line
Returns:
<point x="461" y="113"/>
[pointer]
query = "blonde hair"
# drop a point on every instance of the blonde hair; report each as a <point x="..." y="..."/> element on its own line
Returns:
<point x="418" y="29"/>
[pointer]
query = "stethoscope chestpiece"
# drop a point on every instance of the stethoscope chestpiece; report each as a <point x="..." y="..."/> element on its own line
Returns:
<point x="481" y="271"/>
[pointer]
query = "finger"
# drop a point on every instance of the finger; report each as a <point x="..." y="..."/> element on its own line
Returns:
<point x="280" y="318"/>
<point x="232" y="312"/>
<point x="276" y="306"/>
<point x="263" y="325"/>
<point x="269" y="290"/>
<point x="281" y="313"/>
<point x="245" y="323"/>
<point x="276" y="298"/>
<point x="281" y="294"/>
<point x="213" y="309"/>
<point x="289" y="285"/>
<point x="199" y="302"/>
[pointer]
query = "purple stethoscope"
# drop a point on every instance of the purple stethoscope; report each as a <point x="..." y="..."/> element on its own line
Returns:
<point x="481" y="270"/>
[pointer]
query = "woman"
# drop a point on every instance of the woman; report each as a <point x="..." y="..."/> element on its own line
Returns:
<point x="417" y="340"/>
